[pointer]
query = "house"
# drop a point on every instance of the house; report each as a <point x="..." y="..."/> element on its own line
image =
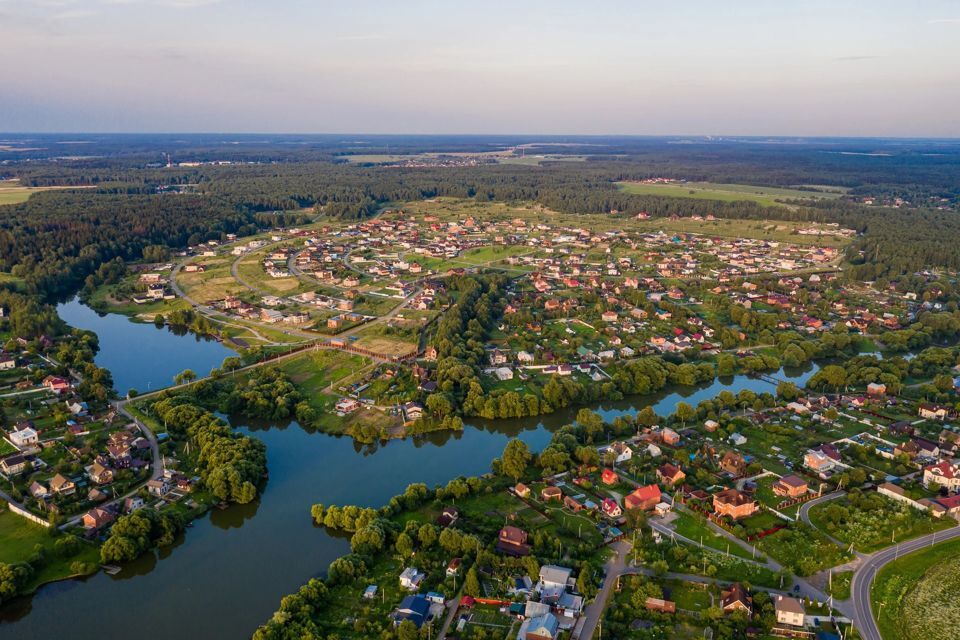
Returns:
<point x="453" y="567"/>
<point x="611" y="508"/>
<point x="62" y="485"/>
<point x="875" y="389"/>
<point x="736" y="598"/>
<point x="609" y="477"/>
<point x="7" y="362"/>
<point x="14" y="465"/>
<point x="133" y="503"/>
<point x="448" y="516"/>
<point x="24" y="437"/>
<point x="789" y="611"/>
<point x="38" y="491"/>
<point x="513" y="541"/>
<point x="737" y="439"/>
<point x="645" y="498"/>
<point x="572" y="503"/>
<point x="415" y="608"/>
<point x="622" y="451"/>
<point x="503" y="373"/>
<point x="543" y="627"/>
<point x="734" y="504"/>
<point x="669" y="437"/>
<point x="413" y="411"/>
<point x="411" y="577"/>
<point x="56" y="384"/>
<point x="521" y="490"/>
<point x="370" y="592"/>
<point x="553" y="579"/>
<point x="790" y="487"/>
<point x="99" y="473"/>
<point x="551" y="493"/>
<point x="822" y="459"/>
<point x="670" y="474"/>
<point x="944" y="474"/>
<point x="932" y="411"/>
<point x="97" y="518"/>
<point x="660" y="606"/>
<point x="733" y="463"/>
<point x="346" y="405"/>
<point x="158" y="488"/>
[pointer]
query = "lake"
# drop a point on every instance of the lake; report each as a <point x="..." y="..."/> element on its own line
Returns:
<point x="228" y="572"/>
<point x="142" y="356"/>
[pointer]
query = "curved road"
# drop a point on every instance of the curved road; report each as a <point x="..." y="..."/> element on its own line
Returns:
<point x="863" y="579"/>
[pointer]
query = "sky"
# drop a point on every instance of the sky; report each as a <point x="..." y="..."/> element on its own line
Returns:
<point x="690" y="67"/>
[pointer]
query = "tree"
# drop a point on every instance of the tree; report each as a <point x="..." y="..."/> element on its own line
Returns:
<point x="185" y="377"/>
<point x="472" y="585"/>
<point x="407" y="631"/>
<point x="516" y="456"/>
<point x="684" y="412"/>
<point x="404" y="545"/>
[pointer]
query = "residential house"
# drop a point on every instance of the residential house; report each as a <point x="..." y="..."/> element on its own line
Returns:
<point x="521" y="490"/>
<point x="645" y="498"/>
<point x="97" y="518"/>
<point x="670" y="474"/>
<point x="14" y="465"/>
<point x="513" y="541"/>
<point x="411" y="577"/>
<point x="790" y="486"/>
<point x="543" y="627"/>
<point x="932" y="411"/>
<point x="734" y="504"/>
<point x="99" y="473"/>
<point x="25" y="437"/>
<point x="736" y="598"/>
<point x="944" y="474"/>
<point x="62" y="485"/>
<point x="158" y="488"/>
<point x="415" y="608"/>
<point x="733" y="463"/>
<point x="790" y="611"/>
<point x="551" y="493"/>
<point x="609" y="477"/>
<point x="448" y="516"/>
<point x="611" y="508"/>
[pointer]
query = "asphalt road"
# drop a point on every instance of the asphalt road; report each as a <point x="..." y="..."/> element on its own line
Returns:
<point x="863" y="579"/>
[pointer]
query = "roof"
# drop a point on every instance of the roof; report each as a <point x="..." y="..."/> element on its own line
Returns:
<point x="789" y="605"/>
<point x="555" y="574"/>
<point x="793" y="481"/>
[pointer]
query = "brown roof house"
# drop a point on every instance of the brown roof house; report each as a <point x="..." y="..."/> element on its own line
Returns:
<point x="736" y="598"/>
<point x="513" y="542"/>
<point x="734" y="504"/>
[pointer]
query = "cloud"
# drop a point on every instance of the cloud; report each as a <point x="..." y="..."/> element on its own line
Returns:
<point x="855" y="58"/>
<point x="944" y="21"/>
<point x="73" y="14"/>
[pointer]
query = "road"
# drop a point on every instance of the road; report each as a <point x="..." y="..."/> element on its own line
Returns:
<point x="863" y="579"/>
<point x="615" y="568"/>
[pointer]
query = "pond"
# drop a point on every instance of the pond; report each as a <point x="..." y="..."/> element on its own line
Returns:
<point x="142" y="356"/>
<point x="229" y="571"/>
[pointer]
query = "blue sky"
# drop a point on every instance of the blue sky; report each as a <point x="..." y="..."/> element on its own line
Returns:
<point x="771" y="67"/>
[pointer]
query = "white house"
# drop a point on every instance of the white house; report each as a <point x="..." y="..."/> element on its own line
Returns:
<point x="411" y="578"/>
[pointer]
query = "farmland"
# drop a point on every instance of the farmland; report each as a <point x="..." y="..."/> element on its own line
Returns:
<point x="918" y="594"/>
<point x="767" y="196"/>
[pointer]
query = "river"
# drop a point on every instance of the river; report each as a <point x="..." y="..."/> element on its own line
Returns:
<point x="228" y="572"/>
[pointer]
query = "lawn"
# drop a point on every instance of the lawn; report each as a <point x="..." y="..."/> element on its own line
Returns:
<point x="772" y="230"/>
<point x="314" y="371"/>
<point x="767" y="196"/>
<point x="19" y="536"/>
<point x="11" y="192"/>
<point x="918" y="594"/>
<point x="694" y="528"/>
<point x="840" y="588"/>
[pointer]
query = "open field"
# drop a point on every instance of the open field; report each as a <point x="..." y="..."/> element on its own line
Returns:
<point x="767" y="196"/>
<point x="918" y="594"/>
<point x="314" y="371"/>
<point x="12" y="193"/>
<point x="772" y="230"/>
<point x="18" y="539"/>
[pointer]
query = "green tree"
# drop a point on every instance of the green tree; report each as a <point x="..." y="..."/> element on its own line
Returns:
<point x="516" y="456"/>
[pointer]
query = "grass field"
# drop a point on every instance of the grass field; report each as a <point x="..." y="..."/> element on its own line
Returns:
<point x="314" y="371"/>
<point x="772" y="230"/>
<point x="19" y="537"/>
<point x="767" y="196"/>
<point x="692" y="527"/>
<point x="918" y="594"/>
<point x="12" y="193"/>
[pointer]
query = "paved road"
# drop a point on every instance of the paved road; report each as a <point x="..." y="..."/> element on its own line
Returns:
<point x="615" y="567"/>
<point x="863" y="579"/>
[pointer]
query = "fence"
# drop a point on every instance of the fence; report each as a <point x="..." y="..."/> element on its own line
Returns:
<point x="29" y="516"/>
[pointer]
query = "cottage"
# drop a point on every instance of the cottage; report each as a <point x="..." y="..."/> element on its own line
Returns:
<point x="543" y="627"/>
<point x="97" y="518"/>
<point x="521" y="490"/>
<point x="25" y="437"/>
<point x="790" y="486"/>
<point x="736" y="598"/>
<point x="62" y="485"/>
<point x="513" y="541"/>
<point x="99" y="474"/>
<point x="14" y="465"/>
<point x="944" y="474"/>
<point x="670" y="474"/>
<point x="415" y="608"/>
<point x="932" y="411"/>
<point x="611" y="508"/>
<point x="733" y="463"/>
<point x="645" y="498"/>
<point x="734" y="504"/>
<point x="609" y="477"/>
<point x="551" y="493"/>
<point x="411" y="577"/>
<point x="448" y="516"/>
<point x="790" y="611"/>
<point x="661" y="606"/>
<point x="158" y="488"/>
